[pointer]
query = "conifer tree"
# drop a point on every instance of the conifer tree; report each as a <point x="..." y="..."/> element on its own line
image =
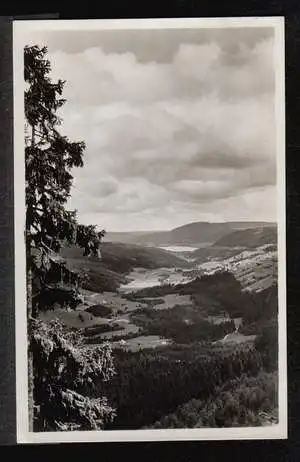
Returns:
<point x="61" y="370"/>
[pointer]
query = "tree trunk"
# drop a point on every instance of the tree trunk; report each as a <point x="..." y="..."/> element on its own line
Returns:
<point x="29" y="319"/>
<point x="30" y="355"/>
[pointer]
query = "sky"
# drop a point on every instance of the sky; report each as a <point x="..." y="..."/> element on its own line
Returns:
<point x="179" y="125"/>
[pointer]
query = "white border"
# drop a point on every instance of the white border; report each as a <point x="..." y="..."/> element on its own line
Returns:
<point x="20" y="29"/>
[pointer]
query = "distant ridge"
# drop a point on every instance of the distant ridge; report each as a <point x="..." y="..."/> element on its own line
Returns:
<point x="249" y="238"/>
<point x="191" y="233"/>
<point x="117" y="260"/>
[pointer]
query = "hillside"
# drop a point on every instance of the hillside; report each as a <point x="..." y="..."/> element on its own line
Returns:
<point x="221" y="292"/>
<point x="191" y="233"/>
<point x="207" y="285"/>
<point x="249" y="238"/>
<point x="255" y="268"/>
<point x="224" y="405"/>
<point x="199" y="232"/>
<point x="99" y="278"/>
<point x="125" y="257"/>
<point x="117" y="261"/>
<point x="126" y="237"/>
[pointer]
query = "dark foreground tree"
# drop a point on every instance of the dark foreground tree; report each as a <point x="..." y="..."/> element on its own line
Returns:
<point x="64" y="371"/>
<point x="59" y="367"/>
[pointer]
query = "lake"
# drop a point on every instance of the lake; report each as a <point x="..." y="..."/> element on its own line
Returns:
<point x="142" y="279"/>
<point x="179" y="248"/>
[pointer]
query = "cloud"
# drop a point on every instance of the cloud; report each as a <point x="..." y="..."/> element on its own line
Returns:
<point x="194" y="70"/>
<point x="161" y="45"/>
<point x="171" y="139"/>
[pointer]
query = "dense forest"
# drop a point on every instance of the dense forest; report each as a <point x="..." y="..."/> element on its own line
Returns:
<point x="230" y="384"/>
<point x="181" y="324"/>
<point x="150" y="385"/>
<point x="244" y="401"/>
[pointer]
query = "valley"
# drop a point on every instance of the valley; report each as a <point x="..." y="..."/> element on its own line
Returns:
<point x="195" y="302"/>
<point x="150" y="235"/>
<point x="161" y="282"/>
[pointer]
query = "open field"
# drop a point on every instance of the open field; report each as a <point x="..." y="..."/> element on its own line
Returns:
<point x="141" y="342"/>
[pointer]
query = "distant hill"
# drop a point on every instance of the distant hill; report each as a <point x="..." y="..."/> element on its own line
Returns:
<point x="117" y="261"/>
<point x="123" y="258"/>
<point x="249" y="238"/>
<point x="125" y="237"/>
<point x="251" y="224"/>
<point x="191" y="233"/>
<point x="99" y="277"/>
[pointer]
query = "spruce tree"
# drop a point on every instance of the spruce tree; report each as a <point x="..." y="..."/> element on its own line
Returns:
<point x="61" y="369"/>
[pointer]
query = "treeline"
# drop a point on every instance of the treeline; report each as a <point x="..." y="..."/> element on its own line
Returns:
<point x="222" y="292"/>
<point x="98" y="277"/>
<point x="123" y="258"/>
<point x="267" y="344"/>
<point x="245" y="401"/>
<point x="153" y="292"/>
<point x="97" y="339"/>
<point x="263" y="311"/>
<point x="182" y="324"/>
<point x="102" y="311"/>
<point x="151" y="384"/>
<point x="93" y="332"/>
<point x="215" y="284"/>
<point x="219" y="292"/>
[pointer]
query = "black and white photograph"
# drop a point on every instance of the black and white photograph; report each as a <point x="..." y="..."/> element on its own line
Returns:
<point x="150" y="229"/>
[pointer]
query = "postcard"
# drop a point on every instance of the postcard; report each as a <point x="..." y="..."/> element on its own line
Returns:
<point x="150" y="229"/>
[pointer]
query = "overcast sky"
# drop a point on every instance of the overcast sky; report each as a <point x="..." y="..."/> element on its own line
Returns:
<point x="179" y="124"/>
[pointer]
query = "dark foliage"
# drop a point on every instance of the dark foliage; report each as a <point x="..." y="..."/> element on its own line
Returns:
<point x="151" y="384"/>
<point x="92" y="333"/>
<point x="65" y="371"/>
<point x="218" y="293"/>
<point x="245" y="401"/>
<point x="264" y="309"/>
<point x="100" y="310"/>
<point x="267" y="344"/>
<point x="57" y="364"/>
<point x="181" y="324"/>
